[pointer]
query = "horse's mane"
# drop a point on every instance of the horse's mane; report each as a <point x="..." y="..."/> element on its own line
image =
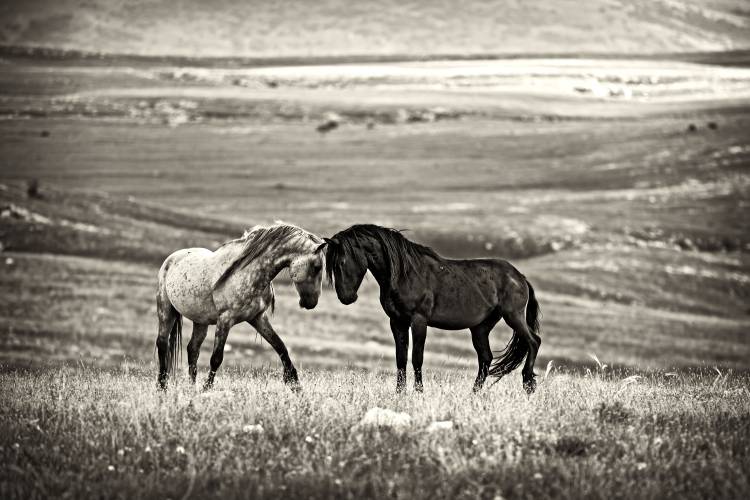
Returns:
<point x="257" y="241"/>
<point x="401" y="255"/>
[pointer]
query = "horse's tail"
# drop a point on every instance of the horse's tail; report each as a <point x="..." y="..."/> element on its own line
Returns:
<point x="517" y="348"/>
<point x="175" y="344"/>
<point x="510" y="357"/>
<point x="169" y="338"/>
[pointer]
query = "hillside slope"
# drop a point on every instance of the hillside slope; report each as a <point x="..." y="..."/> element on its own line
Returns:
<point x="410" y="27"/>
<point x="94" y="224"/>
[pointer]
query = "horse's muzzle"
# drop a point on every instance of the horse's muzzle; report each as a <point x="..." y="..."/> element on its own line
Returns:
<point x="308" y="304"/>
<point x="348" y="300"/>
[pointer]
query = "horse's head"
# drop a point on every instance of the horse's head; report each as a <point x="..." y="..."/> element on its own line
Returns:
<point x="346" y="268"/>
<point x="306" y="271"/>
<point x="283" y="246"/>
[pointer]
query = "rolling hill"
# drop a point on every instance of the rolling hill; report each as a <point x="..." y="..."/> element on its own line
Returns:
<point x="409" y="28"/>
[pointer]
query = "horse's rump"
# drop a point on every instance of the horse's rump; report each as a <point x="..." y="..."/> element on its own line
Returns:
<point x="188" y="277"/>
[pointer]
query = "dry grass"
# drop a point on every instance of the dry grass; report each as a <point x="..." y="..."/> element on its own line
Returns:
<point x="85" y="433"/>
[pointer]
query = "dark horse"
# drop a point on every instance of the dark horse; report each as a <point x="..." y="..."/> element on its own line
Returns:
<point x="419" y="288"/>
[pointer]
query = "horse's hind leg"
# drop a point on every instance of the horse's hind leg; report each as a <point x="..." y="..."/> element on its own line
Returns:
<point x="263" y="326"/>
<point x="480" y="338"/>
<point x="517" y="322"/>
<point x="194" y="348"/>
<point x="528" y="367"/>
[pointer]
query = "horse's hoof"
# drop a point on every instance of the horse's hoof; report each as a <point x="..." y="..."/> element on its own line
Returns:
<point x="419" y="388"/>
<point x="530" y="386"/>
<point x="208" y="386"/>
<point x="161" y="384"/>
<point x="290" y="379"/>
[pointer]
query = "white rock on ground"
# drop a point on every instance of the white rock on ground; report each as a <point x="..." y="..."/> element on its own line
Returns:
<point x="444" y="425"/>
<point x="253" y="429"/>
<point x="381" y="417"/>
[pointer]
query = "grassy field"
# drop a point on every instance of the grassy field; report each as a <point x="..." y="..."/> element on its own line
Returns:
<point x="637" y="229"/>
<point x="627" y="210"/>
<point x="82" y="433"/>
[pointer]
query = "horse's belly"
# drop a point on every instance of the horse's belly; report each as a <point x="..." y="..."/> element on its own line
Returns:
<point x="189" y="285"/>
<point x="462" y="305"/>
<point x="454" y="318"/>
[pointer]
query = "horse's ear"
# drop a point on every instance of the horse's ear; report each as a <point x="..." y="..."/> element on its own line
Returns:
<point x="331" y="241"/>
<point x="321" y="247"/>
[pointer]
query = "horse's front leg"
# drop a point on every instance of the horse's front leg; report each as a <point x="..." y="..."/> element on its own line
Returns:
<point x="263" y="326"/>
<point x="401" y="338"/>
<point x="220" y="339"/>
<point x="418" y="337"/>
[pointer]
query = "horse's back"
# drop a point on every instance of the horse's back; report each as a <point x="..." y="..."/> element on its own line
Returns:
<point x="509" y="282"/>
<point x="188" y="276"/>
<point x="503" y="275"/>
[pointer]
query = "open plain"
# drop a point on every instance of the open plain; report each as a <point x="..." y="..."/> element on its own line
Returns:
<point x="619" y="187"/>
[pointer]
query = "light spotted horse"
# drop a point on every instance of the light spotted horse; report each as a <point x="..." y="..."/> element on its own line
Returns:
<point x="231" y="285"/>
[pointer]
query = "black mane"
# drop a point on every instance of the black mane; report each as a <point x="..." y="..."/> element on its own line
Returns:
<point x="400" y="254"/>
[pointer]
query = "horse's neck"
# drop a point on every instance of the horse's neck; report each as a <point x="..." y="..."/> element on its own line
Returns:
<point x="271" y="263"/>
<point x="278" y="264"/>
<point x="378" y="266"/>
